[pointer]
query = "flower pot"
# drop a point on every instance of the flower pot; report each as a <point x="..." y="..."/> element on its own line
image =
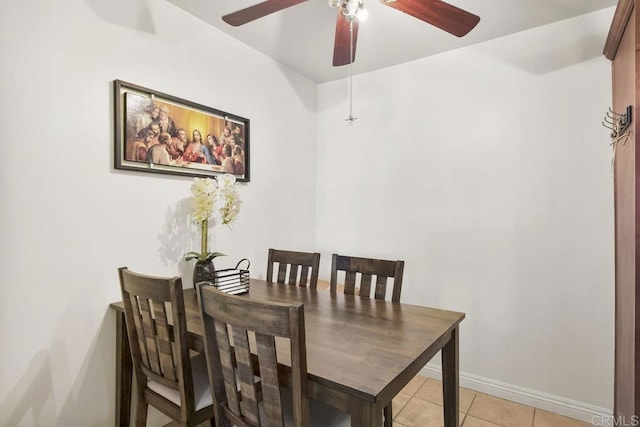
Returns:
<point x="203" y="271"/>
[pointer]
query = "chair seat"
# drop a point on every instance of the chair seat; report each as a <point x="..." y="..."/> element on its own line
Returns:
<point x="201" y="390"/>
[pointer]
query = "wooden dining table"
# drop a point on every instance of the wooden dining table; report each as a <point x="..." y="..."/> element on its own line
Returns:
<point x="360" y="352"/>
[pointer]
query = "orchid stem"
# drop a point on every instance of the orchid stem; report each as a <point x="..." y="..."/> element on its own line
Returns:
<point x="205" y="237"/>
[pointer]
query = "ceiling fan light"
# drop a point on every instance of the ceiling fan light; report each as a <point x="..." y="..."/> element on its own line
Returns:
<point x="334" y="3"/>
<point x="351" y="9"/>
<point x="362" y="13"/>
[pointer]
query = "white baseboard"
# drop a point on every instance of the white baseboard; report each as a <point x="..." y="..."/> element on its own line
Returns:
<point x="548" y="402"/>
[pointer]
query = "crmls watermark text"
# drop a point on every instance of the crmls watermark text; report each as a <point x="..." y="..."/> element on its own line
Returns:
<point x="615" y="421"/>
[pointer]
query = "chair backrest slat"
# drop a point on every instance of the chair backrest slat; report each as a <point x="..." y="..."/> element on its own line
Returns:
<point x="302" y="266"/>
<point x="293" y="274"/>
<point x="365" y="285"/>
<point x="381" y="287"/>
<point x="165" y="348"/>
<point x="137" y="320"/>
<point x="266" y="350"/>
<point x="304" y="275"/>
<point x="367" y="269"/>
<point x="149" y="332"/>
<point x="282" y="272"/>
<point x="265" y="321"/>
<point x="350" y="283"/>
<point x="250" y="398"/>
<point x="227" y="364"/>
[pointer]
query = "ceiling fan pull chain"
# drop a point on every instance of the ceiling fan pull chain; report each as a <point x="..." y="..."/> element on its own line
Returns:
<point x="351" y="119"/>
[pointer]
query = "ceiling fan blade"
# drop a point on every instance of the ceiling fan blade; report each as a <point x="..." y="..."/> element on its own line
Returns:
<point x="259" y="10"/>
<point x="342" y="43"/>
<point x="438" y="13"/>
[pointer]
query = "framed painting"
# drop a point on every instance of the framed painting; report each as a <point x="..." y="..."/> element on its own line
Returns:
<point x="160" y="133"/>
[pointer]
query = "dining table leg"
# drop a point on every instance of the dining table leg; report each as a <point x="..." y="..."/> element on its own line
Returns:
<point x="450" y="381"/>
<point x="124" y="373"/>
<point x="365" y="413"/>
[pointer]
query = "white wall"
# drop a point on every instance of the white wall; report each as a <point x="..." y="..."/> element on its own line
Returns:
<point x="68" y="219"/>
<point x="487" y="170"/>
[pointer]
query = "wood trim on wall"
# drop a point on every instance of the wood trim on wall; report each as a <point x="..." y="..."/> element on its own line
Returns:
<point x="619" y="23"/>
<point x="622" y="48"/>
<point x="624" y="81"/>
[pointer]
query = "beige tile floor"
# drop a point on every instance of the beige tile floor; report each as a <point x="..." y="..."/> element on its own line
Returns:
<point x="420" y="405"/>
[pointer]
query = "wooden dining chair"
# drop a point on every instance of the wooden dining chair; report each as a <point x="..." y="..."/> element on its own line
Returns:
<point x="167" y="378"/>
<point x="303" y="267"/>
<point x="247" y="388"/>
<point x="368" y="268"/>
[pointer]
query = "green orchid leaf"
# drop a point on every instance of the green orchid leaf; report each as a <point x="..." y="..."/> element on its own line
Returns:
<point x="207" y="256"/>
<point x="191" y="255"/>
<point x="211" y="255"/>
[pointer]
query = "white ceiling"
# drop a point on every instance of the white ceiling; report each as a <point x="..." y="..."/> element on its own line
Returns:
<point x="301" y="37"/>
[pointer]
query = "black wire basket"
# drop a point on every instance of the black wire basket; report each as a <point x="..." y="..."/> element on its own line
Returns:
<point x="232" y="280"/>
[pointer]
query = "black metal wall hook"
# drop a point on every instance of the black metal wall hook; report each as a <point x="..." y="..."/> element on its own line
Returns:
<point x="616" y="122"/>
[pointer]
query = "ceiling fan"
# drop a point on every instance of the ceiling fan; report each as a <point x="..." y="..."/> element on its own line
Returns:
<point x="435" y="12"/>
